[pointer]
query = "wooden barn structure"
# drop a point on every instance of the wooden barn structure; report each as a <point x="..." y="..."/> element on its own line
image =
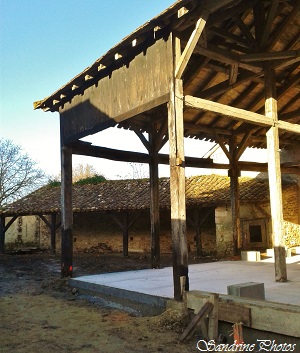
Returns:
<point x="222" y="70"/>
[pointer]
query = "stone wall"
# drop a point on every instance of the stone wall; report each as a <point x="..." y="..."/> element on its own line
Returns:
<point x="291" y="234"/>
<point x="25" y="232"/>
<point x="99" y="232"/>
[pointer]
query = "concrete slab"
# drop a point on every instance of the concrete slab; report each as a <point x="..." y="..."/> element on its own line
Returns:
<point x="209" y="277"/>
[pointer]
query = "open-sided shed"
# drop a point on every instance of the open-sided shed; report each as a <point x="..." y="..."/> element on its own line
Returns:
<point x="221" y="70"/>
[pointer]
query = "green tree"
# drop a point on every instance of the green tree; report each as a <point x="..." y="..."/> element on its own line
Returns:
<point x="19" y="174"/>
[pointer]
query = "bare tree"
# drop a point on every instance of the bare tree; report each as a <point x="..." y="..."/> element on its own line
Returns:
<point x="139" y="171"/>
<point x="19" y="174"/>
<point x="79" y="172"/>
<point x="83" y="171"/>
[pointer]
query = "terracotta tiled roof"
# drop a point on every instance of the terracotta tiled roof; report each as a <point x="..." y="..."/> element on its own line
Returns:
<point x="118" y="195"/>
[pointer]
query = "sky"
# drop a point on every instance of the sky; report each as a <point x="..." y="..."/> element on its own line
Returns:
<point x="44" y="44"/>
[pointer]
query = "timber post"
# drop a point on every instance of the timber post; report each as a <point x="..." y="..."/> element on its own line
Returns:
<point x="198" y="232"/>
<point x="177" y="180"/>
<point x="275" y="177"/>
<point x="2" y="234"/>
<point x="154" y="200"/>
<point x="66" y="212"/>
<point x="125" y="234"/>
<point x="53" y="233"/>
<point x="234" y="175"/>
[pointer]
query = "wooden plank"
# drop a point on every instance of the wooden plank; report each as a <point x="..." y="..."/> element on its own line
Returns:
<point x="213" y="316"/>
<point x="191" y="44"/>
<point x="232" y="312"/>
<point x="66" y="213"/>
<point x="203" y="312"/>
<point x="118" y="97"/>
<point x="275" y="178"/>
<point x="258" y="314"/>
<point x="222" y="109"/>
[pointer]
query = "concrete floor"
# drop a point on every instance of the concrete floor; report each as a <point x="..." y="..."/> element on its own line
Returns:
<point x="209" y="277"/>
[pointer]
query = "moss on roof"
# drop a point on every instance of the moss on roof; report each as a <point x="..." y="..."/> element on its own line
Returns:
<point x="131" y="195"/>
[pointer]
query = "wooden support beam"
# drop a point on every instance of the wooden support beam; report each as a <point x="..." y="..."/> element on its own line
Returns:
<point x="66" y="213"/>
<point x="53" y="233"/>
<point x="45" y="220"/>
<point x="226" y="57"/>
<point x="3" y="229"/>
<point x="222" y="109"/>
<point x="234" y="174"/>
<point x="194" y="162"/>
<point x="177" y="179"/>
<point x="191" y="44"/>
<point x="198" y="232"/>
<point x="52" y="228"/>
<point x="124" y="225"/>
<point x="154" y="200"/>
<point x="288" y="127"/>
<point x="234" y="70"/>
<point x="222" y="144"/>
<point x="275" y="177"/>
<point x="125" y="234"/>
<point x="243" y="144"/>
<point x="145" y="142"/>
<point x="259" y="57"/>
<point x="11" y="221"/>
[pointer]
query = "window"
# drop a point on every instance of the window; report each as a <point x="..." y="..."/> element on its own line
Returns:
<point x="255" y="233"/>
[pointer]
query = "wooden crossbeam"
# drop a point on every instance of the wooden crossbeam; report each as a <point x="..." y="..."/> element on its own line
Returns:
<point x="45" y="220"/>
<point x="191" y="44"/>
<point x="239" y="114"/>
<point x="226" y="57"/>
<point x="222" y="109"/>
<point x="291" y="54"/>
<point x="289" y="127"/>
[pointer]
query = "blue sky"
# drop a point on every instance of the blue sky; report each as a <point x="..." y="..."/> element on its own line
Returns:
<point x="43" y="44"/>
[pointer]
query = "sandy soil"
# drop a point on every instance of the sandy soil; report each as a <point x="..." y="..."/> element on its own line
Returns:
<point x="40" y="313"/>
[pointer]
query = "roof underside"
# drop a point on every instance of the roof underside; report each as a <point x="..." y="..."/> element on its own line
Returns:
<point x="241" y="38"/>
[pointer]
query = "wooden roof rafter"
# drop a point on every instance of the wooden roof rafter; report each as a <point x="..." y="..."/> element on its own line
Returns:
<point x="223" y="62"/>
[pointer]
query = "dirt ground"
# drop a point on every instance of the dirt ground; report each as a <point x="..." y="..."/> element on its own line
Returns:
<point x="40" y="313"/>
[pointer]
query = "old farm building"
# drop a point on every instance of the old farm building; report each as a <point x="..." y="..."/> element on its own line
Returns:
<point x="226" y="71"/>
<point x="114" y="215"/>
